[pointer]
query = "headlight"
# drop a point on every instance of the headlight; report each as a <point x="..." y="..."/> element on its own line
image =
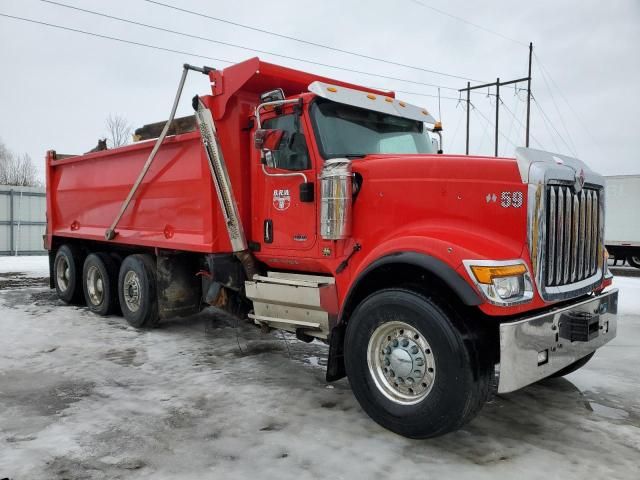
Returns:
<point x="502" y="282"/>
<point x="508" y="287"/>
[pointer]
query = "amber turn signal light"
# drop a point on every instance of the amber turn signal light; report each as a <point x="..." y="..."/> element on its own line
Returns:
<point x="486" y="274"/>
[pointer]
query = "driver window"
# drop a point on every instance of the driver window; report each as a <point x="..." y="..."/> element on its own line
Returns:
<point x="292" y="154"/>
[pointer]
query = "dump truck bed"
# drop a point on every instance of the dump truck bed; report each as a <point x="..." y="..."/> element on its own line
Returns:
<point x="176" y="206"/>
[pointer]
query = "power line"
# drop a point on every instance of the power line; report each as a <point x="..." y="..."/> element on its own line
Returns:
<point x="492" y="124"/>
<point x="553" y="126"/>
<point x="455" y="132"/>
<point x="460" y="19"/>
<point x="544" y="77"/>
<point x="486" y="125"/>
<point x="170" y="50"/>
<point x="514" y="114"/>
<point x="211" y="40"/>
<point x="116" y="39"/>
<point x="514" y="117"/>
<point x="308" y="42"/>
<point x="549" y="125"/>
<point x="546" y="125"/>
<point x="419" y="94"/>
<point x="584" y="124"/>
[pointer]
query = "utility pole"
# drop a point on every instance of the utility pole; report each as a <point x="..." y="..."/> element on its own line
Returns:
<point x="497" y="110"/>
<point x="468" y="111"/>
<point x="497" y="84"/>
<point x="529" y="95"/>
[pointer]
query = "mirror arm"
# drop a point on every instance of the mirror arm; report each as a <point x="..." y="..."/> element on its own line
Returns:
<point x="439" y="133"/>
<point x="269" y="104"/>
<point x="292" y="174"/>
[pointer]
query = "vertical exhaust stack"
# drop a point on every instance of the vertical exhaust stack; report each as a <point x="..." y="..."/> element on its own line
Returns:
<point x="336" y="187"/>
<point x="221" y="180"/>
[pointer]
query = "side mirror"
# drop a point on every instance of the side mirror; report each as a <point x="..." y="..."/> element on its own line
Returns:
<point x="266" y="139"/>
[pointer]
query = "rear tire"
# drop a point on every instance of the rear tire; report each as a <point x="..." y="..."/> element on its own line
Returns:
<point x="573" y="367"/>
<point x="634" y="260"/>
<point x="137" y="291"/>
<point x="100" y="283"/>
<point x="438" y="387"/>
<point x="66" y="274"/>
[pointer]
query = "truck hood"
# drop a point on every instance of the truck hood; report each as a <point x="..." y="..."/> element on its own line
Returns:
<point x="444" y="167"/>
<point x="476" y="206"/>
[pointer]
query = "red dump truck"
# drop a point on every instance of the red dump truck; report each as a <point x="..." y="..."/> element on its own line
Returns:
<point x="328" y="210"/>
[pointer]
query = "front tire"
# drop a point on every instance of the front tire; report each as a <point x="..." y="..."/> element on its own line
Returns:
<point x="408" y="365"/>
<point x="137" y="291"/>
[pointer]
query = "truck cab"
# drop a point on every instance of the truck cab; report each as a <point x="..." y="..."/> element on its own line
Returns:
<point x="328" y="209"/>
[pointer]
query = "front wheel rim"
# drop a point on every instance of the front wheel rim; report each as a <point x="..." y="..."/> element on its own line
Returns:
<point x="401" y="363"/>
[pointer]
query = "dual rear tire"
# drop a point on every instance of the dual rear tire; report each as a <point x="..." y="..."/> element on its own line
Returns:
<point x="107" y="287"/>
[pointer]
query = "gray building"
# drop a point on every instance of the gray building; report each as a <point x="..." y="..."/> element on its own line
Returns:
<point x="22" y="220"/>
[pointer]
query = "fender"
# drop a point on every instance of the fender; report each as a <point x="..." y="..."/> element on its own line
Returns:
<point x="433" y="265"/>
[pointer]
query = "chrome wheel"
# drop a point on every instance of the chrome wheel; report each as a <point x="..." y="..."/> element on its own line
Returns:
<point x="63" y="273"/>
<point x="95" y="285"/>
<point x="131" y="291"/>
<point x="401" y="363"/>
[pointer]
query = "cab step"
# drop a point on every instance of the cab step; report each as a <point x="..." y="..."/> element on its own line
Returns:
<point x="293" y="301"/>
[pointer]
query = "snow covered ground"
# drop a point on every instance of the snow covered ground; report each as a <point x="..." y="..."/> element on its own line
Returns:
<point x="88" y="397"/>
<point x="22" y="271"/>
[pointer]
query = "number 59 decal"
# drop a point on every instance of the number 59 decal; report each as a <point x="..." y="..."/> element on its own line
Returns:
<point x="511" y="199"/>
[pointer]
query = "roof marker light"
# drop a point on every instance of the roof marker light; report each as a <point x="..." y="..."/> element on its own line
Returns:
<point x="388" y="99"/>
<point x="402" y="104"/>
<point x="332" y="89"/>
<point x="371" y="97"/>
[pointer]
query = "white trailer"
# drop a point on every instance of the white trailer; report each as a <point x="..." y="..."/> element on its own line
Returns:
<point x="622" y="219"/>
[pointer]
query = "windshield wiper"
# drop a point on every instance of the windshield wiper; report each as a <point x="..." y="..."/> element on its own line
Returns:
<point x="355" y="155"/>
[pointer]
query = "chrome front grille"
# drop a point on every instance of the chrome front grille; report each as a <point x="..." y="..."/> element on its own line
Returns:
<point x="573" y="234"/>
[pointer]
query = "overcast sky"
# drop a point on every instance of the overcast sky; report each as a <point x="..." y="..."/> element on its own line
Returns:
<point x="57" y="87"/>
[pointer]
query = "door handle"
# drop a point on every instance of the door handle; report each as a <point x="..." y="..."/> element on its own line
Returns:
<point x="268" y="231"/>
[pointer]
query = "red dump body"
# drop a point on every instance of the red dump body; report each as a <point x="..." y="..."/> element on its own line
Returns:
<point x="174" y="208"/>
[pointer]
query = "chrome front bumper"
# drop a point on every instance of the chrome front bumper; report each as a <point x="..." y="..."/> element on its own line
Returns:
<point x="564" y="336"/>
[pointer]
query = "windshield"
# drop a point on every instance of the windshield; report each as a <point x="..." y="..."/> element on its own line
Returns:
<point x="343" y="130"/>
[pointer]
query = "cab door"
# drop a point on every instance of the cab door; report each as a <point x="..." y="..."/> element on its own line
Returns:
<point x="286" y="219"/>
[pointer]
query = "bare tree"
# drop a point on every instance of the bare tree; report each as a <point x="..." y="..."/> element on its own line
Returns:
<point x="118" y="131"/>
<point x="17" y="170"/>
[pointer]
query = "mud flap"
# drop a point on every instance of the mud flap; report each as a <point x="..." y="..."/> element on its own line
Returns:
<point x="335" y="363"/>
<point x="179" y="287"/>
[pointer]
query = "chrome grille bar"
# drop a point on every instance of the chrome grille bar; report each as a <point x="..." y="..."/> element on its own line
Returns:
<point x="587" y="247"/>
<point x="559" y="237"/>
<point x="567" y="236"/>
<point x="575" y="223"/>
<point x="594" y="232"/>
<point x="581" y="235"/>
<point x="552" y="236"/>
<point x="573" y="235"/>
